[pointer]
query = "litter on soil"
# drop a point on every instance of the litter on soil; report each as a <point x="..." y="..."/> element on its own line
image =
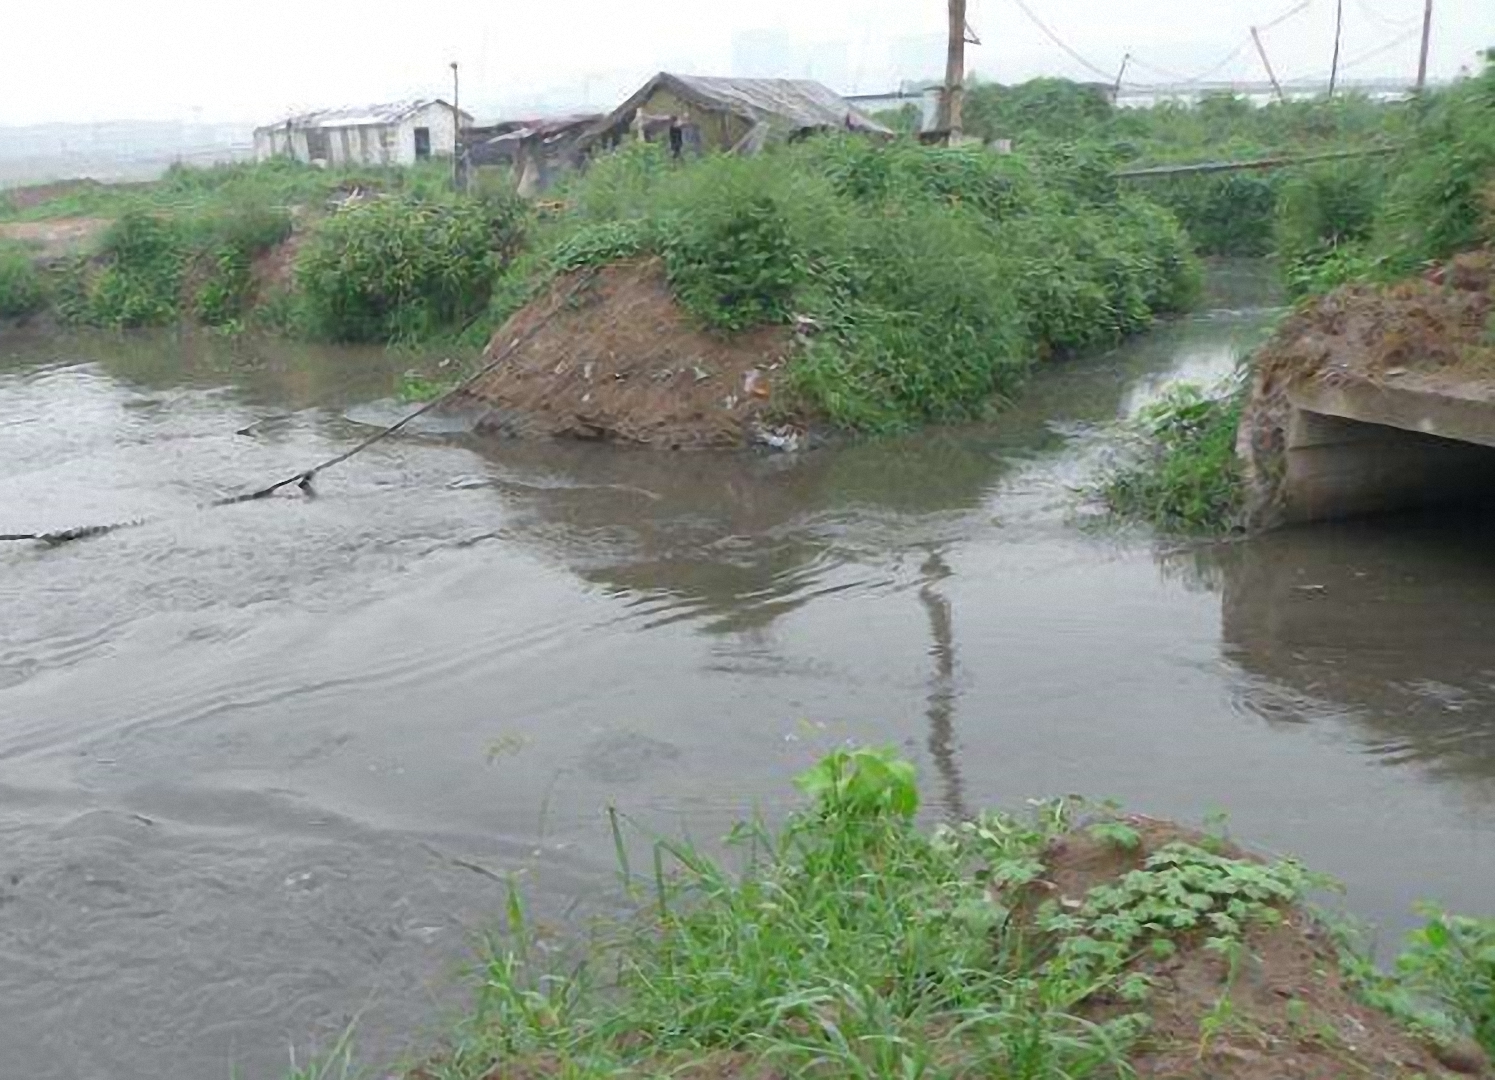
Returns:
<point x="624" y="362"/>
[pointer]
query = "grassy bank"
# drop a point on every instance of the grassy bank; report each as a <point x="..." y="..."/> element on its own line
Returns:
<point x="1066" y="942"/>
<point x="934" y="278"/>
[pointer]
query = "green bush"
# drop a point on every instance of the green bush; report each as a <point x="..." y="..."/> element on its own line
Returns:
<point x="1322" y="212"/>
<point x="735" y="267"/>
<point x="21" y="288"/>
<point x="143" y="258"/>
<point x="1043" y="106"/>
<point x="1435" y="205"/>
<point x="1186" y="476"/>
<point x="399" y="268"/>
<point x="225" y="249"/>
<point x="1451" y="961"/>
<point x="1224" y="214"/>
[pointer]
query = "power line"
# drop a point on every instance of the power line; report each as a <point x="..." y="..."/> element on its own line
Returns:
<point x="1071" y="53"/>
<point x="1386" y="20"/>
<point x="1157" y="69"/>
<point x="1280" y="19"/>
<point x="1186" y="80"/>
<point x="1400" y="39"/>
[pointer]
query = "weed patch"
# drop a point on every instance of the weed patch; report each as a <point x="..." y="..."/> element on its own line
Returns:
<point x="22" y="291"/>
<point x="1183" y="474"/>
<point x="401" y="268"/>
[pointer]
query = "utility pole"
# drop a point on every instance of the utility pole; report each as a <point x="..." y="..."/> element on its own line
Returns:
<point x="456" y="129"/>
<point x="1427" y="37"/>
<point x="1338" y="33"/>
<point x="1120" y="75"/>
<point x="952" y="99"/>
<point x="1262" y="52"/>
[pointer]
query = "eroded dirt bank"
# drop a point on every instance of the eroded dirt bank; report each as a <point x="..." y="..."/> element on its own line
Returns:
<point x="610" y="355"/>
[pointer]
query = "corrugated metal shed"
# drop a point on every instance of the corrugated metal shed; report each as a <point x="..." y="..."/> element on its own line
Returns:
<point x="770" y="107"/>
<point x="362" y="115"/>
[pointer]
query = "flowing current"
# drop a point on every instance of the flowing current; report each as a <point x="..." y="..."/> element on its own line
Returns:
<point x="266" y="769"/>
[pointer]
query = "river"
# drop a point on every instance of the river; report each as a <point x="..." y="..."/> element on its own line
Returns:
<point x="265" y="768"/>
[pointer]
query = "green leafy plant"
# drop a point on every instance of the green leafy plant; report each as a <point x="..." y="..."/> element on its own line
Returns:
<point x="1181" y="889"/>
<point x="863" y="783"/>
<point x="1185" y="476"/>
<point x="1451" y="961"/>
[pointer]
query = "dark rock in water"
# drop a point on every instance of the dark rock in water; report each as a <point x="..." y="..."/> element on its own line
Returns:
<point x="626" y="757"/>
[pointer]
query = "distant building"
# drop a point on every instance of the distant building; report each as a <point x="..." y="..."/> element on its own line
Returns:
<point x="734" y="115"/>
<point x="538" y="152"/>
<point x="924" y="96"/>
<point x="400" y="133"/>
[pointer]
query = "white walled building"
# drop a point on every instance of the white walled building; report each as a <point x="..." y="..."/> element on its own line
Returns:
<point x="400" y="133"/>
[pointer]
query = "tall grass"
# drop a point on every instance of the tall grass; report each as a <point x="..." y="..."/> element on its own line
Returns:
<point x="849" y="945"/>
<point x="22" y="290"/>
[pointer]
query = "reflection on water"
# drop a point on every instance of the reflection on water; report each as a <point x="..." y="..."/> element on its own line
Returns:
<point x="942" y="694"/>
<point x="1392" y="619"/>
<point x="262" y="767"/>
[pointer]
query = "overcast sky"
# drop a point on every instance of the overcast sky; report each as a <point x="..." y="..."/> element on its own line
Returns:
<point x="81" y="60"/>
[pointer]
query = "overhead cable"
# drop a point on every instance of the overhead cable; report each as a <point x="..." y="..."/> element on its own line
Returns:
<point x="1071" y="53"/>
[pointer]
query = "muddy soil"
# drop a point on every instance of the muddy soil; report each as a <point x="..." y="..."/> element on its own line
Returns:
<point x="1285" y="1011"/>
<point x="56" y="239"/>
<point x="610" y="355"/>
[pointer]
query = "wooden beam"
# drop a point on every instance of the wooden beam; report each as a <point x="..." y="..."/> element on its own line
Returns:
<point x="1254" y="164"/>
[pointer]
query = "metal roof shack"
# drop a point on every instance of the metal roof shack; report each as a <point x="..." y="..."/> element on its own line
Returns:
<point x="538" y="151"/>
<point x="396" y="133"/>
<point x="736" y="115"/>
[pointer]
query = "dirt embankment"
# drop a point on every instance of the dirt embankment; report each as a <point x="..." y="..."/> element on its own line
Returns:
<point x="610" y="355"/>
<point x="56" y="239"/>
<point x="1431" y="333"/>
<point x="1280" y="1011"/>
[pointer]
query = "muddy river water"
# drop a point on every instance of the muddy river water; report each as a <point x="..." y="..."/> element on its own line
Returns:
<point x="264" y="768"/>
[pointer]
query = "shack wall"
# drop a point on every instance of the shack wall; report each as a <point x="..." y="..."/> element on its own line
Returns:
<point x="439" y="120"/>
<point x="719" y="130"/>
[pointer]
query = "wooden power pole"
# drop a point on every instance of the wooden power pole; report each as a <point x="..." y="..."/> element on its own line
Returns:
<point x="456" y="130"/>
<point x="953" y="97"/>
<point x="1262" y="52"/>
<point x="1338" y="37"/>
<point x="1427" y="37"/>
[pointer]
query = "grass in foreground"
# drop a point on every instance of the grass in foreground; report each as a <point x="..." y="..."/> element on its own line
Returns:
<point x="1042" y="945"/>
<point x="855" y="945"/>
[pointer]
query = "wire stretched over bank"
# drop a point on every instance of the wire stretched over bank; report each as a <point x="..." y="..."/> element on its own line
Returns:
<point x="303" y="479"/>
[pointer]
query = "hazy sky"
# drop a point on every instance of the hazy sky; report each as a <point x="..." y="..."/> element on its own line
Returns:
<point x="78" y="60"/>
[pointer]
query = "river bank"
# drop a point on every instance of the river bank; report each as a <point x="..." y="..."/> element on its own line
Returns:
<point x="1068" y="941"/>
